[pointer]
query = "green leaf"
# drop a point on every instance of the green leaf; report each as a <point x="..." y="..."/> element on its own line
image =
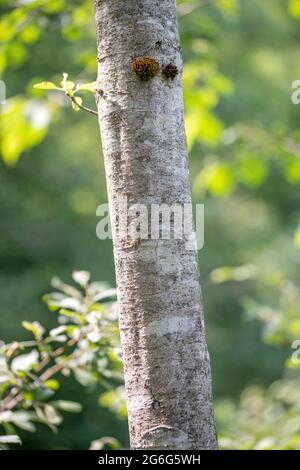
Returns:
<point x="232" y="273"/>
<point x="43" y="394"/>
<point x="105" y="442"/>
<point x="86" y="86"/>
<point x="16" y="53"/>
<point x="35" y="328"/>
<point x="252" y="169"/>
<point x="25" y="362"/>
<point x="52" y="415"/>
<point x="81" y="277"/>
<point x="22" y="419"/>
<point x="56" y="334"/>
<point x="70" y="406"/>
<point x="4" y="377"/>
<point x="204" y="126"/>
<point x="10" y="439"/>
<point x="53" y="6"/>
<point x="57" y="300"/>
<point x="217" y="177"/>
<point x="53" y="384"/>
<point x="228" y="7"/>
<point x="115" y="401"/>
<point x="46" y="86"/>
<point x="30" y="34"/>
<point x="84" y="377"/>
<point x="108" y="294"/>
<point x="65" y="288"/>
<point x="76" y="316"/>
<point x="294" y="8"/>
<point x="71" y="32"/>
<point x="297" y="237"/>
<point x="23" y="125"/>
<point x="66" y="84"/>
<point x="77" y="103"/>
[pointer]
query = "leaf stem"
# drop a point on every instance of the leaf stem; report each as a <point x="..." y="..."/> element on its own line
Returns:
<point x="81" y="106"/>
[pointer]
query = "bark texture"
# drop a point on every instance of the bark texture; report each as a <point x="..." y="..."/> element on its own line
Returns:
<point x="166" y="363"/>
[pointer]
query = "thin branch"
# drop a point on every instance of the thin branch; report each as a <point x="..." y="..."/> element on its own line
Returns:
<point x="81" y="106"/>
<point x="45" y="376"/>
<point x="14" y="397"/>
<point x="53" y="370"/>
<point x="55" y="354"/>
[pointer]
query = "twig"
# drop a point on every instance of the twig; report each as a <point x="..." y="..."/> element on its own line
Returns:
<point x="55" y="353"/>
<point x="81" y="106"/>
<point x="52" y="371"/>
<point x="14" y="397"/>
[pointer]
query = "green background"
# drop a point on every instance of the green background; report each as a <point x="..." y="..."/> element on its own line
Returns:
<point x="241" y="58"/>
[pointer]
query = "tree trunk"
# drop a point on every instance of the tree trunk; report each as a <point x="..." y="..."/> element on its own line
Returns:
<point x="166" y="363"/>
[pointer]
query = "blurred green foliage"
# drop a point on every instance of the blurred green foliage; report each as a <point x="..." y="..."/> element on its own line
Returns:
<point x="85" y="345"/>
<point x="241" y="57"/>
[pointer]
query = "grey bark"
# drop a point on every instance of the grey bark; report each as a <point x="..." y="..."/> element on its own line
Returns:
<point x="166" y="363"/>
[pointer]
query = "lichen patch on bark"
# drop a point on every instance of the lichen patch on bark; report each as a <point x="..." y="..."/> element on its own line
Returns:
<point x="145" y="68"/>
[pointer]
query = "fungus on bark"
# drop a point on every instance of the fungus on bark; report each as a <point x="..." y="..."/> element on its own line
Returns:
<point x="170" y="71"/>
<point x="145" y="68"/>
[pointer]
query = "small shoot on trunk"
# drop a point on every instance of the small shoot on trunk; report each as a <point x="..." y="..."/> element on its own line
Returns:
<point x="70" y="89"/>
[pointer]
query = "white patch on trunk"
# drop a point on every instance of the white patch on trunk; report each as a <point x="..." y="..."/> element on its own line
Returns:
<point x="170" y="325"/>
<point x="139" y="402"/>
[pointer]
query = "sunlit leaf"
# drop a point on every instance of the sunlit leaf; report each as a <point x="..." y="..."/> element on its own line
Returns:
<point x="35" y="328"/>
<point x="67" y="85"/>
<point x="294" y="8"/>
<point x="86" y="86"/>
<point x="229" y="7"/>
<point x="297" y="237"/>
<point x="252" y="169"/>
<point x="84" y="377"/>
<point x="70" y="406"/>
<point x="105" y="442"/>
<point x="53" y="384"/>
<point x="30" y="34"/>
<point x="10" y="439"/>
<point x="22" y="419"/>
<point x="57" y="300"/>
<point x="53" y="6"/>
<point x="230" y="273"/>
<point x="46" y="86"/>
<point x="292" y="170"/>
<point x="25" y="361"/>
<point x="52" y="415"/>
<point x="115" y="401"/>
<point x="76" y="103"/>
<point x="81" y="277"/>
<point x="23" y="125"/>
<point x="16" y="53"/>
<point x="203" y="126"/>
<point x="71" y="32"/>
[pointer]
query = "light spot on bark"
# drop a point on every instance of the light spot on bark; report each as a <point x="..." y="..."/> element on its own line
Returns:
<point x="165" y="437"/>
<point x="138" y="403"/>
<point x="170" y="325"/>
